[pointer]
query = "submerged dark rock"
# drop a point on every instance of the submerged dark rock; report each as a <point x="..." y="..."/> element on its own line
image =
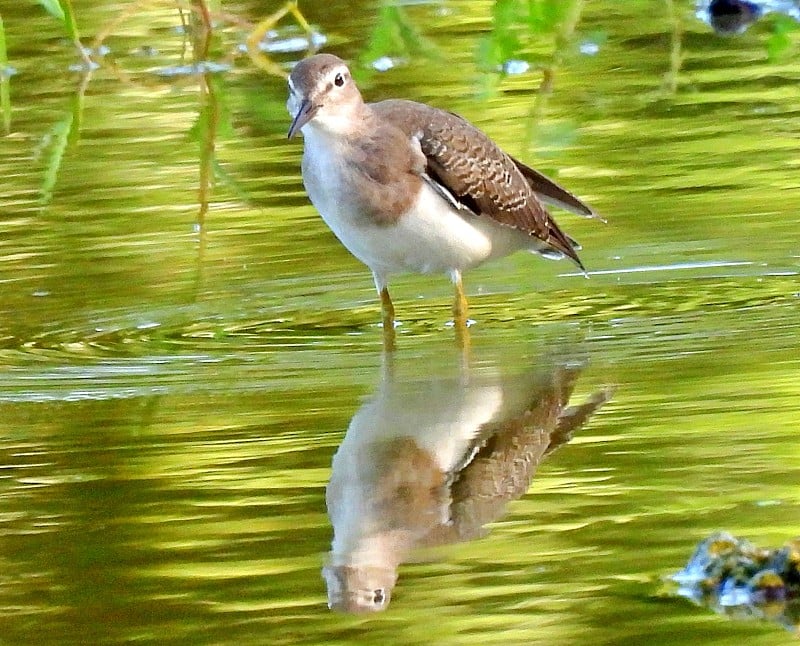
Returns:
<point x="734" y="577"/>
<point x="729" y="17"/>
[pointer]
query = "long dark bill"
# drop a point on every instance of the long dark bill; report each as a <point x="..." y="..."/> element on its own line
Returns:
<point x="304" y="115"/>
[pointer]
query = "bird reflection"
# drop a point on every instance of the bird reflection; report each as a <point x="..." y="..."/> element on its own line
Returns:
<point x="429" y="462"/>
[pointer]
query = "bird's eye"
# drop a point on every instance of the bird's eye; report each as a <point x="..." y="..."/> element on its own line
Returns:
<point x="378" y="597"/>
<point x="338" y="80"/>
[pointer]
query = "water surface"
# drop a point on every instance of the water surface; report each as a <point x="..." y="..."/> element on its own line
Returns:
<point x="175" y="379"/>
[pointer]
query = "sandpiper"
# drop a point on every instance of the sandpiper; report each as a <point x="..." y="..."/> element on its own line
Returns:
<point x="407" y="187"/>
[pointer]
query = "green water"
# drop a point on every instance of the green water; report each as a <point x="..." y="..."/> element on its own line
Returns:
<point x="174" y="382"/>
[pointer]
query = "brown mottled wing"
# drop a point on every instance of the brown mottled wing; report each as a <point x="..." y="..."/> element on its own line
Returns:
<point x="501" y="470"/>
<point x="475" y="171"/>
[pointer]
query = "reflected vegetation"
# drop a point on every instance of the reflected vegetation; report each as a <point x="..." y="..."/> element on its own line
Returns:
<point x="431" y="462"/>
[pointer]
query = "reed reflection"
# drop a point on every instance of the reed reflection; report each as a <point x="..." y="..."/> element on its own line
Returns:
<point x="429" y="462"/>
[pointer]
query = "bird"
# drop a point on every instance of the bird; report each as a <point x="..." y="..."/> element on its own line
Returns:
<point x="407" y="187"/>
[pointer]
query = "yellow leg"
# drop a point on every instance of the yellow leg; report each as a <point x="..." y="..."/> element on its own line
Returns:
<point x="460" y="308"/>
<point x="387" y="312"/>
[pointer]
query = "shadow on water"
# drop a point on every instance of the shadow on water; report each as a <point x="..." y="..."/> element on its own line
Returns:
<point x="430" y="462"/>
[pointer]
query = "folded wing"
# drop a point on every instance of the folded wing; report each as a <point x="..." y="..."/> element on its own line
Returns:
<point x="474" y="173"/>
